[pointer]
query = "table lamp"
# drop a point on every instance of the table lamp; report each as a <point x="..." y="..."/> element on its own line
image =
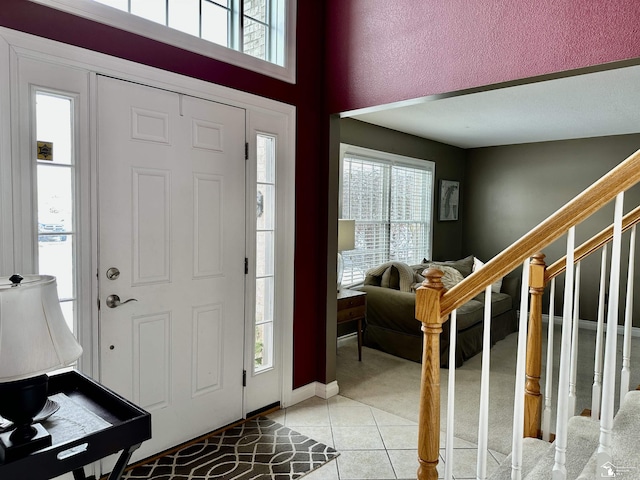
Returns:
<point x="34" y="339"/>
<point x="346" y="241"/>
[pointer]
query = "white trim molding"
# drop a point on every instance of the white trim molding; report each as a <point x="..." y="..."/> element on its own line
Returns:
<point x="313" y="389"/>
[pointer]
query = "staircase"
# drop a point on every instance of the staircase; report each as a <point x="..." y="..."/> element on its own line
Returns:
<point x="604" y="445"/>
<point x="582" y="446"/>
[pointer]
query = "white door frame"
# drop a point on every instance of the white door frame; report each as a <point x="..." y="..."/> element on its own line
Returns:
<point x="14" y="45"/>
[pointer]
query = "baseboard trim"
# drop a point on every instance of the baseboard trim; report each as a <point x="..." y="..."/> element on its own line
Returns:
<point x="590" y="325"/>
<point x="313" y="389"/>
<point x="327" y="391"/>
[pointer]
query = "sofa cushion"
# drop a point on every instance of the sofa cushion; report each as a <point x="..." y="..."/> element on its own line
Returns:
<point x="500" y="302"/>
<point x="464" y="265"/>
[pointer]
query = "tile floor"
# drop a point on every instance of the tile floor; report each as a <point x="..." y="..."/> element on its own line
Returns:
<point x="373" y="444"/>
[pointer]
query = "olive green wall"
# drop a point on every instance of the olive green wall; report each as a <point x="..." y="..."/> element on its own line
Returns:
<point x="450" y="165"/>
<point x="510" y="189"/>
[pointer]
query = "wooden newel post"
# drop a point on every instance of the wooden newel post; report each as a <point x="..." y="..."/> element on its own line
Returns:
<point x="532" y="397"/>
<point x="428" y="312"/>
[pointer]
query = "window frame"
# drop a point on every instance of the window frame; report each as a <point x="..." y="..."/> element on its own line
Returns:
<point x="284" y="69"/>
<point x="391" y="159"/>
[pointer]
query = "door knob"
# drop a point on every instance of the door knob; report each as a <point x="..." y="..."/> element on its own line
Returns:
<point x="113" y="301"/>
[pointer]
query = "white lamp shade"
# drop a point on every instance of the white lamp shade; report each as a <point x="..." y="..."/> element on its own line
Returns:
<point x="346" y="235"/>
<point x="34" y="337"/>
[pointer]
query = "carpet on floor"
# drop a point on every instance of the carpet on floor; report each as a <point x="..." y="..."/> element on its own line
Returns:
<point x="392" y="384"/>
<point x="257" y="449"/>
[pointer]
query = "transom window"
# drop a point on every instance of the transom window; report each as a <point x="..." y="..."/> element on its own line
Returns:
<point x="244" y="25"/>
<point x="390" y="197"/>
<point x="264" y="30"/>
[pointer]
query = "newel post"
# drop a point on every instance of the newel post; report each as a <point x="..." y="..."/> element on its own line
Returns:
<point x="428" y="312"/>
<point x="532" y="396"/>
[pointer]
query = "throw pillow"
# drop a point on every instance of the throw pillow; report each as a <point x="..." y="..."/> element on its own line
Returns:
<point x="451" y="276"/>
<point x="464" y="265"/>
<point x="391" y="278"/>
<point x="496" y="286"/>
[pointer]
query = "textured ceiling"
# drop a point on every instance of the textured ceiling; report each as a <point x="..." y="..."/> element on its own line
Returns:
<point x="589" y="105"/>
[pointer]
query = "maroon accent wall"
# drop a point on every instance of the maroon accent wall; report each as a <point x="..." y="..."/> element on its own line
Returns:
<point x="384" y="51"/>
<point x="307" y="95"/>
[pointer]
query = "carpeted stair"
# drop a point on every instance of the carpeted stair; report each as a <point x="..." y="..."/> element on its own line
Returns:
<point x="625" y="441"/>
<point x="582" y="444"/>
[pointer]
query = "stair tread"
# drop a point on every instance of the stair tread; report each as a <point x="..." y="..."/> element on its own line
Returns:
<point x="582" y="440"/>
<point x="624" y="442"/>
<point x="532" y="450"/>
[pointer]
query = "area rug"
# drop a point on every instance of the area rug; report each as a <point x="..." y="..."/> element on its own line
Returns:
<point x="258" y="449"/>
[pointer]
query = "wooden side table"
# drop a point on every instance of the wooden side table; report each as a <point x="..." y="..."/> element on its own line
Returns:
<point x="352" y="306"/>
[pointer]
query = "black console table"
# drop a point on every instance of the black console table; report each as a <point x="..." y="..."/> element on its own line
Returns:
<point x="122" y="427"/>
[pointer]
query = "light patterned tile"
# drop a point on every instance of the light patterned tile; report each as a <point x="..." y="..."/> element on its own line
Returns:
<point x="340" y="401"/>
<point x="310" y="414"/>
<point x="362" y="465"/>
<point x="465" y="463"/>
<point x="384" y="418"/>
<point x="328" y="471"/>
<point x="351" y="416"/>
<point x="318" y="433"/>
<point x="399" y="437"/>
<point x="357" y="438"/>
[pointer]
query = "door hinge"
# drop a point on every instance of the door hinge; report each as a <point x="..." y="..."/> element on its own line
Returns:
<point x="244" y="378"/>
<point x="246" y="150"/>
<point x="246" y="266"/>
<point x="98" y="304"/>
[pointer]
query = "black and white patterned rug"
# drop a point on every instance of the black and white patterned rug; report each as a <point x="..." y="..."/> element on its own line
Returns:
<point x="258" y="449"/>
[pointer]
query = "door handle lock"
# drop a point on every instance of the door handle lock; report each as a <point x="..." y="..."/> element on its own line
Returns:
<point x="113" y="301"/>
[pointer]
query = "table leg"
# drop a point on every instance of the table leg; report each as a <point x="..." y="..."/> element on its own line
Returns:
<point x="359" y="339"/>
<point x="120" y="465"/>
<point x="78" y="474"/>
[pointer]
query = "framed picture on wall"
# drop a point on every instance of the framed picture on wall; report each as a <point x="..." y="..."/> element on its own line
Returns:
<point x="449" y="200"/>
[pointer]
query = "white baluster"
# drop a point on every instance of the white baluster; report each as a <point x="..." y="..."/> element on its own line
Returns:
<point x="596" y="389"/>
<point x="483" y="421"/>
<point x="518" y="406"/>
<point x="628" y="320"/>
<point x="548" y="387"/>
<point x="451" y="396"/>
<point x="573" y="373"/>
<point x="559" y="468"/>
<point x="609" y="370"/>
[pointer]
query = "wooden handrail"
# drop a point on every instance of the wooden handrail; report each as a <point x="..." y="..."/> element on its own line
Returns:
<point x="593" y="244"/>
<point x="620" y="179"/>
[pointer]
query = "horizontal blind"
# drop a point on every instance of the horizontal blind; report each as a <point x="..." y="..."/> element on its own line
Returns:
<point x="391" y="204"/>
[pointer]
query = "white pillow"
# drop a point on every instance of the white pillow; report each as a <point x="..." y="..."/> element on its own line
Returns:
<point x="451" y="276"/>
<point x="495" y="287"/>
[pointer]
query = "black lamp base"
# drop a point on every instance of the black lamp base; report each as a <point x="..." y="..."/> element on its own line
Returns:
<point x="10" y="451"/>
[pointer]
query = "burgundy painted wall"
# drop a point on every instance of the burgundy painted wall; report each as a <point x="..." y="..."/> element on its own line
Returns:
<point x="311" y="140"/>
<point x="383" y="51"/>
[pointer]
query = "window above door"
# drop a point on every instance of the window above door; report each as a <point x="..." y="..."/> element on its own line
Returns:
<point x="258" y="35"/>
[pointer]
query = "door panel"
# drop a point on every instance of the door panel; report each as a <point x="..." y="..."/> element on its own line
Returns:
<point x="171" y="219"/>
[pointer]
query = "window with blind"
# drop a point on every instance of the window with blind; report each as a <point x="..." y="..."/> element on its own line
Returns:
<point x="390" y="197"/>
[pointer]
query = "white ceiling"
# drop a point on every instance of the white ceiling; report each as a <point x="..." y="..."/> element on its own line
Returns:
<point x="587" y="105"/>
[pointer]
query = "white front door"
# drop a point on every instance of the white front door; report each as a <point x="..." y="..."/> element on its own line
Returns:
<point x="171" y="205"/>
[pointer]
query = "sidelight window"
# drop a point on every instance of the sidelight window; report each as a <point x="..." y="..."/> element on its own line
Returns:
<point x="56" y="173"/>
